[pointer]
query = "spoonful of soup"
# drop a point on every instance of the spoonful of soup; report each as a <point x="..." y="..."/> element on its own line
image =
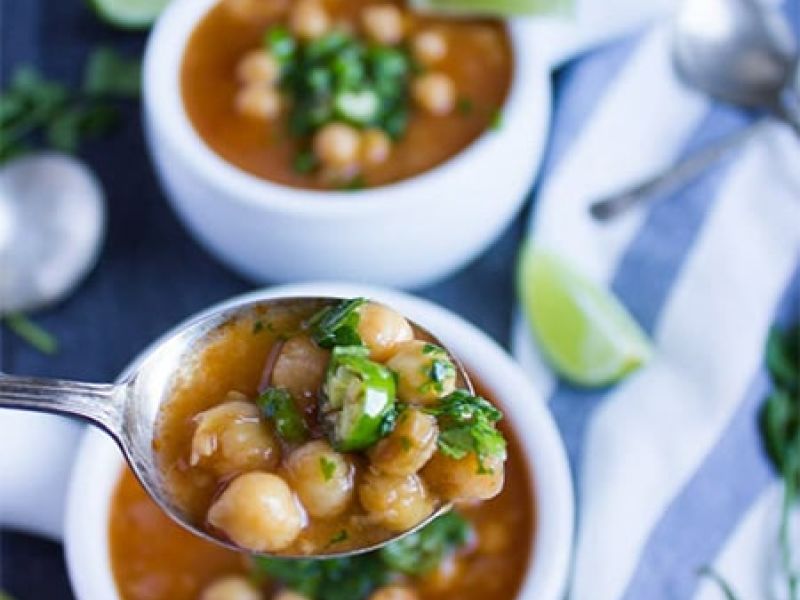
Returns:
<point x="296" y="427"/>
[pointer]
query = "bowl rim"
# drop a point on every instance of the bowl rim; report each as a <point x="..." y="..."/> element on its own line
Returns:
<point x="97" y="465"/>
<point x="163" y="103"/>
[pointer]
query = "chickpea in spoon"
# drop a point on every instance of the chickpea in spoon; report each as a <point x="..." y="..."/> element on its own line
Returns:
<point x="316" y="428"/>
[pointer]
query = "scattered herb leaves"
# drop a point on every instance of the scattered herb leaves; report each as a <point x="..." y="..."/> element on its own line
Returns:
<point x="328" y="467"/>
<point x="31" y="333"/>
<point x="109" y="74"/>
<point x="421" y="552"/>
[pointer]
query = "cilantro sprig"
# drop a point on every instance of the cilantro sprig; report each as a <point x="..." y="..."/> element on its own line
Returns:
<point x="35" y="110"/>
<point x="468" y="423"/>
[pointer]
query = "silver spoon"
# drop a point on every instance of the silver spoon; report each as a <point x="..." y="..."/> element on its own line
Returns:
<point x="739" y="52"/>
<point x="52" y="222"/>
<point x="128" y="410"/>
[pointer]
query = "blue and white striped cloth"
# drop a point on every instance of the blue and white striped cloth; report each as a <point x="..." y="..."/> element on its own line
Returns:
<point x="669" y="471"/>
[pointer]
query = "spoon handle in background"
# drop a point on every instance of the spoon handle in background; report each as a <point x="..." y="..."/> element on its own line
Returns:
<point x="97" y="403"/>
<point x="676" y="176"/>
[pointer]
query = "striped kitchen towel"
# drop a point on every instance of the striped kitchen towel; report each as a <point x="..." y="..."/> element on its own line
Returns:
<point x="669" y="472"/>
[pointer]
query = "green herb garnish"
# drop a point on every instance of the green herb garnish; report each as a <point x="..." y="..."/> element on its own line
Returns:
<point x="467" y="424"/>
<point x="337" y="325"/>
<point x="278" y="405"/>
<point x="357" y="577"/>
<point x="109" y="74"/>
<point x="328" y="467"/>
<point x="35" y="110"/>
<point x="465" y="106"/>
<point x="780" y="431"/>
<point x="421" y="552"/>
<point x="496" y="122"/>
<point x="31" y="333"/>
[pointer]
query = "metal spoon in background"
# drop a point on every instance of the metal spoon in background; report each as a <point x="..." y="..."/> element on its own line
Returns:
<point x="52" y="223"/>
<point x="128" y="410"/>
<point x="737" y="51"/>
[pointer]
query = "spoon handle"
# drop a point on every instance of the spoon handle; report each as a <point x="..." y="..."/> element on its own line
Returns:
<point x="101" y="404"/>
<point x="674" y="177"/>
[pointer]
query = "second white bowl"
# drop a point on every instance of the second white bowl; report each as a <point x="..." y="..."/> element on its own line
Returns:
<point x="407" y="234"/>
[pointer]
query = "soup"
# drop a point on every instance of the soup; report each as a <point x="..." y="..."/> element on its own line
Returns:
<point x="314" y="427"/>
<point x="155" y="559"/>
<point x="328" y="94"/>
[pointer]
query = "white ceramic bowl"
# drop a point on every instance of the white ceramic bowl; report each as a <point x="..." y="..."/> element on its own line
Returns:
<point x="99" y="463"/>
<point x="406" y="234"/>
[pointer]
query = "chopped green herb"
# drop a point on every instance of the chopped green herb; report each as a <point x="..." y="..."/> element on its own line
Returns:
<point x="258" y="326"/>
<point x="337" y="325"/>
<point x="436" y="371"/>
<point x="327" y="466"/>
<point x="340" y="537"/>
<point x="405" y="442"/>
<point x="278" y="405"/>
<point x="497" y="120"/>
<point x="280" y="43"/>
<point x="357" y="577"/>
<point x="467" y="424"/>
<point x="465" y="106"/>
<point x="31" y="333"/>
<point x="109" y="74"/>
<point x="337" y="579"/>
<point x="356" y="184"/>
<point x="305" y="162"/>
<point x="779" y="422"/>
<point x="421" y="552"/>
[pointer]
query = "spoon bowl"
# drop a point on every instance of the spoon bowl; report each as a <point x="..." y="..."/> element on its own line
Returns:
<point x="129" y="410"/>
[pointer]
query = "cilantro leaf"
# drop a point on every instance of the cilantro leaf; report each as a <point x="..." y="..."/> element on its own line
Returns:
<point x="423" y="551"/>
<point x="467" y="424"/>
<point x="278" y="405"/>
<point x="337" y="325"/>
<point x="107" y="73"/>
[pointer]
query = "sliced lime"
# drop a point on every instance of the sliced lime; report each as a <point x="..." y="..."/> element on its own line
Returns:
<point x="495" y="8"/>
<point x="128" y="14"/>
<point x="582" y="329"/>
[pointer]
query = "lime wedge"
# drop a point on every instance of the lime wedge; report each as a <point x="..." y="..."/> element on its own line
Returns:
<point x="128" y="14"/>
<point x="495" y="8"/>
<point x="582" y="329"/>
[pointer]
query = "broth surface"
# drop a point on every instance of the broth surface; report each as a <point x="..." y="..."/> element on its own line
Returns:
<point x="478" y="60"/>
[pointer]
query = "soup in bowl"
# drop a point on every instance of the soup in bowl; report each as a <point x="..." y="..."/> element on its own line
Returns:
<point x="332" y="130"/>
<point x="514" y="545"/>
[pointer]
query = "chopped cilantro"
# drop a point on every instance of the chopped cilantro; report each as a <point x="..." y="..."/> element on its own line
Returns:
<point x="327" y="466"/>
<point x="258" y="326"/>
<point x="421" y="552"/>
<point x="497" y="120"/>
<point x="465" y="106"/>
<point x="278" y="405"/>
<point x="340" y="537"/>
<point x="337" y="325"/>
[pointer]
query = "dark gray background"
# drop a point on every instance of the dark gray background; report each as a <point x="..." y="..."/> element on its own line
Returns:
<point x="151" y="274"/>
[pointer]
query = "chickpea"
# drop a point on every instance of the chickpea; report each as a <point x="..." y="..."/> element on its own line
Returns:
<point x="412" y="443"/>
<point x="398" y="503"/>
<point x="258" y="66"/>
<point x="394" y="592"/>
<point x="232" y="587"/>
<point x="382" y="329"/>
<point x="463" y="479"/>
<point x="337" y="145"/>
<point x="435" y="92"/>
<point x="258" y="512"/>
<point x="424" y="372"/>
<point x="308" y="19"/>
<point x="231" y="438"/>
<point x="429" y="47"/>
<point x="384" y="24"/>
<point x="300" y="367"/>
<point x="288" y="595"/>
<point x="322" y="477"/>
<point x="375" y="147"/>
<point x="258" y="101"/>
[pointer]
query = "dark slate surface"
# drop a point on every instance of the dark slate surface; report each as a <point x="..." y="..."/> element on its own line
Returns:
<point x="151" y="274"/>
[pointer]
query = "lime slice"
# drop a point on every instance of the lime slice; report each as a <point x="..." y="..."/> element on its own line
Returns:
<point x="128" y="14"/>
<point x="582" y="329"/>
<point x="495" y="8"/>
